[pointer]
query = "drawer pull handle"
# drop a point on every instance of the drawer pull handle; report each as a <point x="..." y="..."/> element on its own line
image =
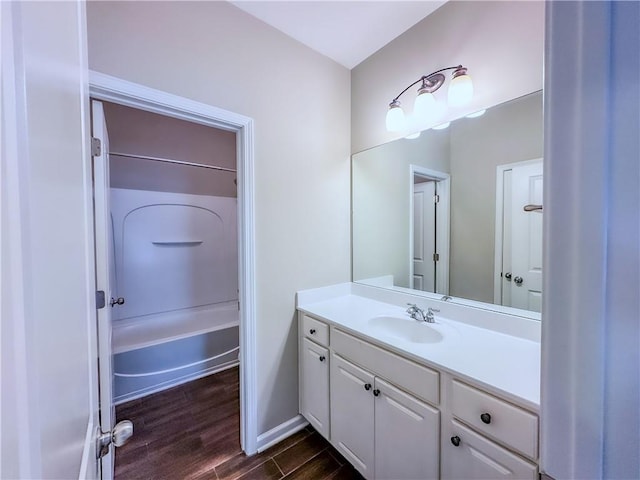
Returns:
<point x="456" y="441"/>
<point x="376" y="392"/>
<point x="322" y="358"/>
<point x="312" y="331"/>
<point x="486" y="418"/>
<point x="367" y="386"/>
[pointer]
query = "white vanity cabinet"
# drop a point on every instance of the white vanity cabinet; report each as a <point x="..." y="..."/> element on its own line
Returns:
<point x="477" y="450"/>
<point x="384" y="431"/>
<point x="393" y="417"/>
<point x="314" y="373"/>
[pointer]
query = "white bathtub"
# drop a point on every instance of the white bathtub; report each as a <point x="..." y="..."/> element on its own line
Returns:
<point x="176" y="264"/>
<point x="164" y="350"/>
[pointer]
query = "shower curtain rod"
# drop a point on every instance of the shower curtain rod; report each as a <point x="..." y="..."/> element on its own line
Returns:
<point x="177" y="162"/>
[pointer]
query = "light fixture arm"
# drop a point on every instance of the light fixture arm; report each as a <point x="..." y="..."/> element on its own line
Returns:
<point x="435" y="78"/>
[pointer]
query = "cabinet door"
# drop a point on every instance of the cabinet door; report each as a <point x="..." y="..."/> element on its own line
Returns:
<point x="475" y="457"/>
<point x="352" y="414"/>
<point x="407" y="440"/>
<point x="314" y="400"/>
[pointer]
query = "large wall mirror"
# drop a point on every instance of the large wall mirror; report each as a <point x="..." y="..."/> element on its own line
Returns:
<point x="456" y="212"/>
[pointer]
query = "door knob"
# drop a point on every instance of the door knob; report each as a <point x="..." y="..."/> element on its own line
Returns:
<point x="367" y="386"/>
<point x="518" y="280"/>
<point x="508" y="276"/>
<point x="118" y="301"/>
<point x="120" y="434"/>
<point x="321" y="358"/>
<point x="456" y="441"/>
<point x="376" y="392"/>
<point x="486" y="418"/>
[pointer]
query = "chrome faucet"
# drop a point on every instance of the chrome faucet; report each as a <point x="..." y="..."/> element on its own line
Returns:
<point x="429" y="318"/>
<point x="418" y="314"/>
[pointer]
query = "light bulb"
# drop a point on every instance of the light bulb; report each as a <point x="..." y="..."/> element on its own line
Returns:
<point x="424" y="106"/>
<point x="460" y="88"/>
<point x="395" y="117"/>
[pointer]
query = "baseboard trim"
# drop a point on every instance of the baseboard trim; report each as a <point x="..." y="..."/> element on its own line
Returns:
<point x="280" y="432"/>
<point x="175" y="382"/>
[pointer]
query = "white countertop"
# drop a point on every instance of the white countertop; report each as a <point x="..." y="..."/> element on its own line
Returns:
<point x="507" y="364"/>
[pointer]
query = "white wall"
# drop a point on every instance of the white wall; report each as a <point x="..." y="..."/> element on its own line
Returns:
<point x="501" y="43"/>
<point x="590" y="390"/>
<point x="217" y="54"/>
<point x="48" y="311"/>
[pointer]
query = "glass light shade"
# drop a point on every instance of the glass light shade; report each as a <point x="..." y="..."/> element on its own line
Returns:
<point x="395" y="118"/>
<point x="442" y="126"/>
<point x="460" y="90"/>
<point x="413" y="136"/>
<point x="424" y="106"/>
<point x="477" y="114"/>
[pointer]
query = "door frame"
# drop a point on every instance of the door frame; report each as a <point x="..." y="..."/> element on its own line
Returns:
<point x="442" y="223"/>
<point x="497" y="254"/>
<point x="115" y="90"/>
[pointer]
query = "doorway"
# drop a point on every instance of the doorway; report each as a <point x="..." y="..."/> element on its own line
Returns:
<point x="518" y="237"/>
<point x="119" y="92"/>
<point x="429" y="230"/>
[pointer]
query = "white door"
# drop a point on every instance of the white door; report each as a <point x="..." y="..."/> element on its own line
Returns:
<point x="315" y="386"/>
<point x="526" y="237"/>
<point x="407" y="435"/>
<point x="424" y="236"/>
<point x="104" y="278"/>
<point x="352" y="414"/>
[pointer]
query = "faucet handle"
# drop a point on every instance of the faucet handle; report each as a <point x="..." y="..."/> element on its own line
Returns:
<point x="433" y="310"/>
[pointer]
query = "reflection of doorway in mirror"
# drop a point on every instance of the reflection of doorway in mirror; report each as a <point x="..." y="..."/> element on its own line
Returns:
<point x="518" y="255"/>
<point x="429" y="226"/>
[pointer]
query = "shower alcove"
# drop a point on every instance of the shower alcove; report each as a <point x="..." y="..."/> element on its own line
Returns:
<point x="175" y="251"/>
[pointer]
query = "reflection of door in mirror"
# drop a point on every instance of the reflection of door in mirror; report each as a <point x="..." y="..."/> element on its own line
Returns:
<point x="424" y="234"/>
<point x="429" y="224"/>
<point x="518" y="277"/>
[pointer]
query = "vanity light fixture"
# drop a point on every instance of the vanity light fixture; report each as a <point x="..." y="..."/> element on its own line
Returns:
<point x="460" y="93"/>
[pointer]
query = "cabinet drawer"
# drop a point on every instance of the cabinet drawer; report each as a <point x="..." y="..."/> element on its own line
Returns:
<point x="315" y="330"/>
<point x="415" y="378"/>
<point x="475" y="457"/>
<point x="503" y="421"/>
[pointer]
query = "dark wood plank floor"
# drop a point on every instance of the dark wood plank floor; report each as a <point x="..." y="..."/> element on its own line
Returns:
<point x="192" y="432"/>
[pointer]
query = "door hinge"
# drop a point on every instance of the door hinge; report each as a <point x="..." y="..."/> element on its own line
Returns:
<point x="96" y="147"/>
<point x="436" y="257"/>
<point x="436" y="198"/>
<point x="100" y="299"/>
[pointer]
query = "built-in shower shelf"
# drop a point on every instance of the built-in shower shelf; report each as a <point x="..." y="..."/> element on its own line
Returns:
<point x="149" y="330"/>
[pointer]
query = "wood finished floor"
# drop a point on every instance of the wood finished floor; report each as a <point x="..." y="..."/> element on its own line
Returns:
<point x="192" y="432"/>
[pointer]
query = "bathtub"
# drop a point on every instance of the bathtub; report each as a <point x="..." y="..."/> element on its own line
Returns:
<point x="176" y="264"/>
<point x="164" y="350"/>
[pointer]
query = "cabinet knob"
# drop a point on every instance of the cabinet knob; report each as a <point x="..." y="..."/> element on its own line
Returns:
<point x="367" y="386"/>
<point x="486" y="418"/>
<point x="456" y="441"/>
<point x="322" y="359"/>
<point x="312" y="331"/>
<point x="376" y="392"/>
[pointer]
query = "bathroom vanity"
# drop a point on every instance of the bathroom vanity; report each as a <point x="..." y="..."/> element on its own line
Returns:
<point x="402" y="399"/>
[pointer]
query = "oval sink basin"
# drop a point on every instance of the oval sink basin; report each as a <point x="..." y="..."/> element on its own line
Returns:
<point x="405" y="329"/>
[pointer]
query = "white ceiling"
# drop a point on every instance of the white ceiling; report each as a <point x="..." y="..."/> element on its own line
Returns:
<point x="346" y="31"/>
